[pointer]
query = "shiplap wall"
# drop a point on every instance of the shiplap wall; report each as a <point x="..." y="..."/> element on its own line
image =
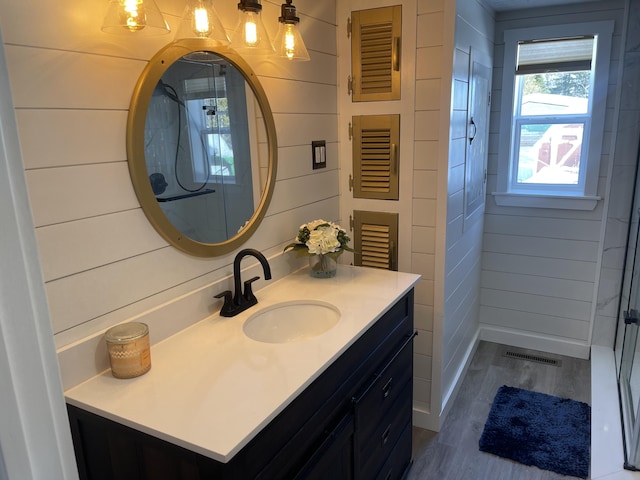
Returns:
<point x="540" y="267"/>
<point x="474" y="33"/>
<point x="102" y="261"/>
<point x="431" y="68"/>
<point x="444" y="252"/>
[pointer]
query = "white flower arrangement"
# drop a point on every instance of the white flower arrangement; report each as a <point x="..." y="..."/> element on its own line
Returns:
<point x="320" y="237"/>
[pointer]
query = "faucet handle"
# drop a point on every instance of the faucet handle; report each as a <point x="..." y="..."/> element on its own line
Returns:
<point x="248" y="292"/>
<point x="228" y="308"/>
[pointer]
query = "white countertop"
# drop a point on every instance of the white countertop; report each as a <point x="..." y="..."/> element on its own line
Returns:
<point x="211" y="389"/>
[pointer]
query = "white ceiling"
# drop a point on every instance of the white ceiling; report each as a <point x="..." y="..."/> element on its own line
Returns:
<point x="505" y="5"/>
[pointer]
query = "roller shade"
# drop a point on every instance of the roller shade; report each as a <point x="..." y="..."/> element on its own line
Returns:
<point x="562" y="55"/>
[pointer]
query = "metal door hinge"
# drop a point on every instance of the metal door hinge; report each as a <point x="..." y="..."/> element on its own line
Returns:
<point x="351" y="223"/>
<point x="350" y="131"/>
<point x="631" y="316"/>
<point x="349" y="85"/>
<point x="350" y="183"/>
<point x="349" y="26"/>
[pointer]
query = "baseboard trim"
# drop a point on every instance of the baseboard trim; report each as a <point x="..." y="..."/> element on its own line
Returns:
<point x="430" y="420"/>
<point x="534" y="341"/>
<point x="451" y="395"/>
<point x="426" y="420"/>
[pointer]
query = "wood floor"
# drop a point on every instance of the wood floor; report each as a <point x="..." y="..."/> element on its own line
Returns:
<point x="453" y="454"/>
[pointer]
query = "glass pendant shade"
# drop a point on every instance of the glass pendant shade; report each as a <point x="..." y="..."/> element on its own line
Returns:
<point x="134" y="16"/>
<point x="289" y="43"/>
<point x="200" y="20"/>
<point x="250" y="36"/>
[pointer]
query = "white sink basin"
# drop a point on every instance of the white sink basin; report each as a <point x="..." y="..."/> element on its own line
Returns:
<point x="291" y="321"/>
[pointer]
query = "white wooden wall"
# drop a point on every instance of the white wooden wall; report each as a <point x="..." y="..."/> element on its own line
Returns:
<point x="102" y="262"/>
<point x="431" y="67"/>
<point x="540" y="267"/>
<point x="474" y="33"/>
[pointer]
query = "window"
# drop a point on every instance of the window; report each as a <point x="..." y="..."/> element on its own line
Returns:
<point x="554" y="92"/>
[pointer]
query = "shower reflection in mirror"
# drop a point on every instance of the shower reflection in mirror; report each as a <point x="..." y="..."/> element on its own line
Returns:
<point x="201" y="134"/>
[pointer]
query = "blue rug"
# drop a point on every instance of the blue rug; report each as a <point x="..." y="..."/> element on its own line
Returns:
<point x="537" y="429"/>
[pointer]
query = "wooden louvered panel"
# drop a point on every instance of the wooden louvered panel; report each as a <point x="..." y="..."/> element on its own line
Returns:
<point x="375" y="238"/>
<point x="375" y="166"/>
<point x="376" y="50"/>
<point x="376" y="246"/>
<point x="375" y="46"/>
<point x="375" y="156"/>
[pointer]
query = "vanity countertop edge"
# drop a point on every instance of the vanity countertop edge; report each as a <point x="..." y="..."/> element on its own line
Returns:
<point x="211" y="389"/>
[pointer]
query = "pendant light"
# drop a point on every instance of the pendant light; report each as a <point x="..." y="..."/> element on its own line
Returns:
<point x="289" y="42"/>
<point x="134" y="16"/>
<point x="200" y="20"/>
<point x="250" y="36"/>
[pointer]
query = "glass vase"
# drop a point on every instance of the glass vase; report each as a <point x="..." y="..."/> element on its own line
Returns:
<point x="322" y="266"/>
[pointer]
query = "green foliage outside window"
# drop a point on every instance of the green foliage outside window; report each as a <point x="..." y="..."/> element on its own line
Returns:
<point x="571" y="84"/>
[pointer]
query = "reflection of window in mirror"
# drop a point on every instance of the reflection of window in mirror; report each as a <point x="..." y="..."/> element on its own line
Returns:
<point x="208" y="126"/>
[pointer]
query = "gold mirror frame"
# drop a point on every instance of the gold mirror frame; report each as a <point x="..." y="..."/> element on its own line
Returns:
<point x="136" y="120"/>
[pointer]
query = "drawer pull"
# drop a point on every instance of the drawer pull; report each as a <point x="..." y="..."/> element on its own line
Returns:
<point x="386" y="389"/>
<point x="385" y="435"/>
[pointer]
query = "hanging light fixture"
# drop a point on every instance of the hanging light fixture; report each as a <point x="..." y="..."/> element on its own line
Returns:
<point x="250" y="36"/>
<point x="200" y="20"/>
<point x="134" y="16"/>
<point x="289" y="42"/>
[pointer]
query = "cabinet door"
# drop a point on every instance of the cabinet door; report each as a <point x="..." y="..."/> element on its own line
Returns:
<point x="375" y="53"/>
<point x="375" y="156"/>
<point x="375" y="239"/>
<point x="478" y="142"/>
<point x="334" y="458"/>
<point x="106" y="450"/>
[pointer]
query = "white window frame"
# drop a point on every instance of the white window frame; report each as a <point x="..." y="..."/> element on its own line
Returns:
<point x="584" y="197"/>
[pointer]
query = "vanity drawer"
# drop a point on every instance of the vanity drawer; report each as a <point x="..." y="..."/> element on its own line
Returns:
<point x="379" y="396"/>
<point x="373" y="450"/>
<point x="399" y="460"/>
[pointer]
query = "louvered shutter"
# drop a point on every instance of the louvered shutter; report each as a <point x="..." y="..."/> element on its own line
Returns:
<point x="375" y="53"/>
<point x="375" y="156"/>
<point x="375" y="239"/>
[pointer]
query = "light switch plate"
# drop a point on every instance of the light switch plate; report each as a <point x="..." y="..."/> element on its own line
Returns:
<point x="319" y="150"/>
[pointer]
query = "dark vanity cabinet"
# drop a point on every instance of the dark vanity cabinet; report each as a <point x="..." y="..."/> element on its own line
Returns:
<point x="352" y="422"/>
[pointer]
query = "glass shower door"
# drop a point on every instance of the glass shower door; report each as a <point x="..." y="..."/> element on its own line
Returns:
<point x="627" y="347"/>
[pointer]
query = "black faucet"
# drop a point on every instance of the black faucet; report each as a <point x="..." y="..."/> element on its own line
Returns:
<point x="242" y="300"/>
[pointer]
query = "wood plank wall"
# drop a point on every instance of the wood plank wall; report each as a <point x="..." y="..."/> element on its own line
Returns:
<point x="102" y="262"/>
<point x="474" y="33"/>
<point x="431" y="70"/>
<point x="540" y="266"/>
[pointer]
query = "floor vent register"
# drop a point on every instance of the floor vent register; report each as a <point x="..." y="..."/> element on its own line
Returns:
<point x="533" y="358"/>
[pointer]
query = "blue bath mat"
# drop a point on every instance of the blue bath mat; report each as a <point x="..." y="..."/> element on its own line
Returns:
<point x="537" y="429"/>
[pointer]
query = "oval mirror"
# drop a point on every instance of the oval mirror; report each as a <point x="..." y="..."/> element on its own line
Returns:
<point x="201" y="147"/>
